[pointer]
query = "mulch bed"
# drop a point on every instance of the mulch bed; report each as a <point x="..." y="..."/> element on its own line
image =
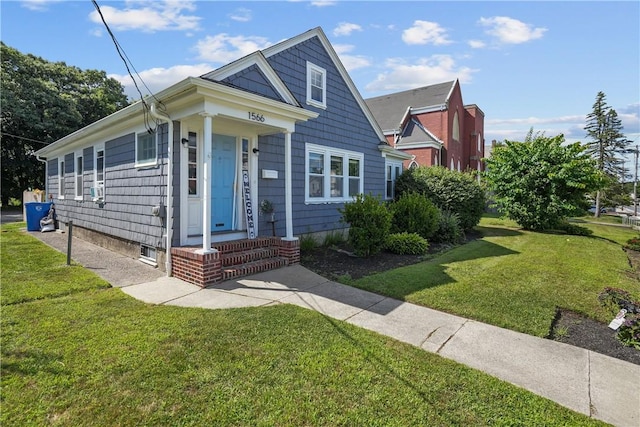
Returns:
<point x="568" y="327"/>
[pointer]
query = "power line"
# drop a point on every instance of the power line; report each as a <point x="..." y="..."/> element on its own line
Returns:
<point x="127" y="62"/>
<point x="22" y="137"/>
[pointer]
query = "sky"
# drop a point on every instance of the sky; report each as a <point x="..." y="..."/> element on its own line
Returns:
<point x="525" y="64"/>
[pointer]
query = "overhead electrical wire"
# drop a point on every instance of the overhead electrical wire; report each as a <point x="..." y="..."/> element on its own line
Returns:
<point x="128" y="65"/>
<point x="22" y="137"/>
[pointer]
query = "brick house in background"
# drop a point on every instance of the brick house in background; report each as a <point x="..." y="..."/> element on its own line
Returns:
<point x="433" y="125"/>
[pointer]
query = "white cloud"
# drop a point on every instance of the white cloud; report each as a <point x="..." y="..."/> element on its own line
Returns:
<point x="223" y="48"/>
<point x="241" y="15"/>
<point x="427" y="71"/>
<point x="345" y="29"/>
<point x="149" y="16"/>
<point x="476" y="44"/>
<point x="158" y="79"/>
<point x="516" y="129"/>
<point x="425" y="32"/>
<point x="38" y="5"/>
<point x="630" y="118"/>
<point x="532" y="121"/>
<point x="511" y="31"/>
<point x="322" y="3"/>
<point x="350" y="62"/>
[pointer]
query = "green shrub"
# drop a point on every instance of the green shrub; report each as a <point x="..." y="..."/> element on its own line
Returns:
<point x="574" y="229"/>
<point x="616" y="299"/>
<point x="307" y="242"/>
<point x="449" y="229"/>
<point x="633" y="244"/>
<point x="370" y="222"/>
<point x="414" y="213"/>
<point x="407" y="244"/>
<point x="333" y="238"/>
<point x="449" y="190"/>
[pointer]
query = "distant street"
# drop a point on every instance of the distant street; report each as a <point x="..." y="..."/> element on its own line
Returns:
<point x="11" y="216"/>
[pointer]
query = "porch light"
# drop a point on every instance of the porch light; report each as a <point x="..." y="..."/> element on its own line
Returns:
<point x="256" y="151"/>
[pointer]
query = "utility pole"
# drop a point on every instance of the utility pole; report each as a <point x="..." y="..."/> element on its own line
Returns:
<point x="635" y="185"/>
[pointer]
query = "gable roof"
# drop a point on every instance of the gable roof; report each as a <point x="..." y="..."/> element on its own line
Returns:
<point x="390" y="110"/>
<point x="317" y="32"/>
<point x="254" y="59"/>
<point x="415" y="133"/>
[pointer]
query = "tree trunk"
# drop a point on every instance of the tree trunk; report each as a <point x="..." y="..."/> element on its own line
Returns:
<point x="597" y="212"/>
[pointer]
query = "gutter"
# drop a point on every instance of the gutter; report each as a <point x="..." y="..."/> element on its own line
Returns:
<point x="155" y="114"/>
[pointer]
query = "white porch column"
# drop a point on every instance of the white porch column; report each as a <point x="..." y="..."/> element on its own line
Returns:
<point x="288" y="205"/>
<point x="206" y="185"/>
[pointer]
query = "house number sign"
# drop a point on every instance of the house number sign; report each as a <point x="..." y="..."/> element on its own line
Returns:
<point x="256" y="117"/>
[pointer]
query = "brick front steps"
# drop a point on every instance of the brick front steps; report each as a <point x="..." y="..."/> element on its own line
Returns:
<point x="233" y="259"/>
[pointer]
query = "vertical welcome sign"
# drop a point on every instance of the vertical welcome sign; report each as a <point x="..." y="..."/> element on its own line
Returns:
<point x="248" y="208"/>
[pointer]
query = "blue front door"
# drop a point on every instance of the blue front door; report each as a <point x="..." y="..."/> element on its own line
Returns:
<point x="223" y="182"/>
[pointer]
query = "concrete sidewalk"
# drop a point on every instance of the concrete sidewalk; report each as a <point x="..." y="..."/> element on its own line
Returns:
<point x="602" y="387"/>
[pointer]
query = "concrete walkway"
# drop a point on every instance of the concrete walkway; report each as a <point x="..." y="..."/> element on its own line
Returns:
<point x="602" y="387"/>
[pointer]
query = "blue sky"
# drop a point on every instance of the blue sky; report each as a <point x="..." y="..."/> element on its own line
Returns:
<point x="525" y="64"/>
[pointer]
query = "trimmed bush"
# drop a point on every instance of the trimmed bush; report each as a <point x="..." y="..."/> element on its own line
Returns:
<point x="414" y="213"/>
<point x="449" y="190"/>
<point x="370" y="222"/>
<point x="633" y="244"/>
<point x="574" y="229"/>
<point x="449" y="229"/>
<point x="407" y="244"/>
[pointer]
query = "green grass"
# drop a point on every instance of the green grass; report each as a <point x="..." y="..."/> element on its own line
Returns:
<point x="93" y="356"/>
<point x="30" y="273"/>
<point x="515" y="279"/>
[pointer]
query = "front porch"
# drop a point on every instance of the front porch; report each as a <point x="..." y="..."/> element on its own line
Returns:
<point x="233" y="259"/>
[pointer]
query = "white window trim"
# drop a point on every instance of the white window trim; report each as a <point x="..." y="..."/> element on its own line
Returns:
<point x="327" y="152"/>
<point x="78" y="192"/>
<point x="150" y="162"/>
<point x="394" y="176"/>
<point x="99" y="147"/>
<point x="312" y="67"/>
<point x="61" y="178"/>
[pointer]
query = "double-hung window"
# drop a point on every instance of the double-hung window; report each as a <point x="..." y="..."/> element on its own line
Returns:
<point x="97" y="191"/>
<point x="98" y="156"/>
<point x="316" y="85"/>
<point x="79" y="172"/>
<point x="146" y="149"/>
<point x="393" y="170"/>
<point x="332" y="175"/>
<point x="61" y="182"/>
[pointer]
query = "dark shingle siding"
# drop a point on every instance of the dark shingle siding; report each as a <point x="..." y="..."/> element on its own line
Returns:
<point x="253" y="80"/>
<point x="341" y="125"/>
<point x="130" y="193"/>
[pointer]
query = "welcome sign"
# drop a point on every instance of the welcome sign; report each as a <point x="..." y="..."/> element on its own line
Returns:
<point x="248" y="208"/>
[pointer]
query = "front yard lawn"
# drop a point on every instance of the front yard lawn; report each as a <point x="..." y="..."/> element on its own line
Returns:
<point x="89" y="355"/>
<point x="516" y="279"/>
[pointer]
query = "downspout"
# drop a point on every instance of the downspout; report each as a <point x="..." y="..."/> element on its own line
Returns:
<point x="155" y="114"/>
<point x="46" y="176"/>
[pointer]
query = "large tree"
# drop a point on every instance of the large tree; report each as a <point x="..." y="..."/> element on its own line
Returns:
<point x="41" y="102"/>
<point x="542" y="181"/>
<point x="607" y="146"/>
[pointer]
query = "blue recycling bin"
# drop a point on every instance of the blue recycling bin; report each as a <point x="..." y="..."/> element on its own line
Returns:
<point x="35" y="212"/>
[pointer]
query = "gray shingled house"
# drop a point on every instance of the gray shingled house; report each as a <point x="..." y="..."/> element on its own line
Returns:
<point x="178" y="180"/>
